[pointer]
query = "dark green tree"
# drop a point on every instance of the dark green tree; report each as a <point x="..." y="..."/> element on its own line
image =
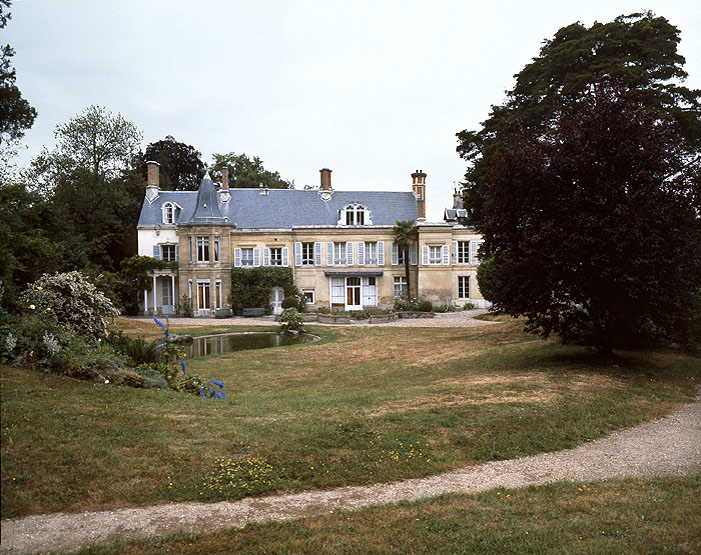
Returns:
<point x="639" y="48"/>
<point x="181" y="165"/>
<point x="16" y="115"/>
<point x="404" y="237"/>
<point x="590" y="219"/>
<point x="245" y="172"/>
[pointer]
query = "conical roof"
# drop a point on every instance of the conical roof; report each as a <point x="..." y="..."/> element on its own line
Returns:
<point x="207" y="207"/>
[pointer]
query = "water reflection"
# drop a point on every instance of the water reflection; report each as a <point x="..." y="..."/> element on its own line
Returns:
<point x="225" y="343"/>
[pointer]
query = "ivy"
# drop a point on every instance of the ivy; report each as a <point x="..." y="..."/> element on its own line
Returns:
<point x="251" y="287"/>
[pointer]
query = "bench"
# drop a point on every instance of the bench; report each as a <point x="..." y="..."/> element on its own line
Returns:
<point x="251" y="312"/>
<point x="223" y="313"/>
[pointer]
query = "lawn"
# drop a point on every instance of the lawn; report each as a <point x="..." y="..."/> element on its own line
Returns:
<point x="363" y="405"/>
<point x="618" y="516"/>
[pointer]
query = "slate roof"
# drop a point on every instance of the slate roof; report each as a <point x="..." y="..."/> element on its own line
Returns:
<point x="286" y="208"/>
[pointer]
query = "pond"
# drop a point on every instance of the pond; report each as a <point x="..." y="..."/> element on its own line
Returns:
<point x="227" y="342"/>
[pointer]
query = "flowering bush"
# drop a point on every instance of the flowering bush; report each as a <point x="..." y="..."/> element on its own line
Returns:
<point x="408" y="305"/>
<point x="291" y="319"/>
<point x="72" y="302"/>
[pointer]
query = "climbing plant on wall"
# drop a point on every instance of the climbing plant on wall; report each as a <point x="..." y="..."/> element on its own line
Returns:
<point x="251" y="287"/>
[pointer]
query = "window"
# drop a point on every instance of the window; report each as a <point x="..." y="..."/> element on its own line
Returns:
<point x="355" y="214"/>
<point x="217" y="294"/>
<point x="276" y="256"/>
<point x="399" y="286"/>
<point x="371" y="253"/>
<point x="308" y="295"/>
<point x="463" y="287"/>
<point x="401" y="256"/>
<point x="247" y="257"/>
<point x="339" y="253"/>
<point x="168" y="252"/>
<point x="166" y="292"/>
<point x="203" y="294"/>
<point x="216" y="249"/>
<point x="434" y="255"/>
<point x="189" y="249"/>
<point x="203" y="249"/>
<point x="308" y="254"/>
<point x="168" y="213"/>
<point x="463" y="252"/>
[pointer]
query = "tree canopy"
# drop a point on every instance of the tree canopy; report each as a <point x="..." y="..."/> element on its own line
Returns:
<point x="181" y="164"/>
<point x="16" y="115"/>
<point x="590" y="218"/>
<point x="640" y="48"/>
<point x="247" y="173"/>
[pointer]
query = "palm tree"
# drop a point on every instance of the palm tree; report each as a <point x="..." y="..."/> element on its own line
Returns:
<point x="404" y="237"/>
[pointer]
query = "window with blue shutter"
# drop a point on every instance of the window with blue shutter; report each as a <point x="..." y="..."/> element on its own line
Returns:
<point x="424" y="255"/>
<point x="157" y="252"/>
<point x="237" y="258"/>
<point x="266" y="256"/>
<point x="414" y="254"/>
<point x="317" y="253"/>
<point x="285" y="256"/>
<point x="455" y="252"/>
<point x="329" y="254"/>
<point x="298" y="254"/>
<point x="380" y="253"/>
<point x="445" y="252"/>
<point x="349" y="253"/>
<point x="256" y="257"/>
<point x="395" y="254"/>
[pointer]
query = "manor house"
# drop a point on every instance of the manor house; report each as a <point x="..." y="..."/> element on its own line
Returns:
<point x="339" y="244"/>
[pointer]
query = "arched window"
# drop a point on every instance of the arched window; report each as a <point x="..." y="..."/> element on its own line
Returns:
<point x="168" y="213"/>
<point x="355" y="214"/>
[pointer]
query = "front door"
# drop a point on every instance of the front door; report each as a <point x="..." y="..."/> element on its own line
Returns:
<point x="353" y="294"/>
<point x="203" y="302"/>
<point x="276" y="296"/>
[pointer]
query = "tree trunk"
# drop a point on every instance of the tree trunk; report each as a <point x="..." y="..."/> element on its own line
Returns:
<point x="406" y="270"/>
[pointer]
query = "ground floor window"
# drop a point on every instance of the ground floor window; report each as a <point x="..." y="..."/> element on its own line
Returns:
<point x="217" y="295"/>
<point x="308" y="295"/>
<point x="203" y="296"/>
<point x="166" y="292"/>
<point x="399" y="287"/>
<point x="463" y="287"/>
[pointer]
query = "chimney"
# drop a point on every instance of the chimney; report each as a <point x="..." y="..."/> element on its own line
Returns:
<point x="418" y="184"/>
<point x="152" y="178"/>
<point x="325" y="179"/>
<point x="457" y="198"/>
<point x="224" y="193"/>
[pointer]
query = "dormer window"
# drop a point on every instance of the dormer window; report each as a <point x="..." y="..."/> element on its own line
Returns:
<point x="355" y="214"/>
<point x="168" y="213"/>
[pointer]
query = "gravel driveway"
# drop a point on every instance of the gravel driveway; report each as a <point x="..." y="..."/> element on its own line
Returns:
<point x="667" y="446"/>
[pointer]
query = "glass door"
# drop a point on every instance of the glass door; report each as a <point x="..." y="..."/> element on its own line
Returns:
<point x="353" y="294"/>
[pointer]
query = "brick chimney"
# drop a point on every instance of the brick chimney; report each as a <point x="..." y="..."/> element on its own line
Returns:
<point x="152" y="177"/>
<point x="325" y="179"/>
<point x="224" y="193"/>
<point x="418" y="184"/>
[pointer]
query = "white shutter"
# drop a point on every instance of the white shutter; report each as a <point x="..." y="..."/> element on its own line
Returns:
<point x="298" y="254"/>
<point x="329" y="254"/>
<point x="455" y="252"/>
<point x="414" y="254"/>
<point x="256" y="257"/>
<point x="237" y="258"/>
<point x="445" y="255"/>
<point x="157" y="251"/>
<point x="477" y="251"/>
<point x="473" y="252"/>
<point x="177" y="250"/>
<point x="349" y="253"/>
<point x="380" y="253"/>
<point x="424" y="255"/>
<point x="266" y="256"/>
<point x="395" y="254"/>
<point x="317" y="253"/>
<point x="361" y="253"/>
<point x="285" y="256"/>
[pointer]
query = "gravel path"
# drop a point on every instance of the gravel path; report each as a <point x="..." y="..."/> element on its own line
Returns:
<point x="667" y="446"/>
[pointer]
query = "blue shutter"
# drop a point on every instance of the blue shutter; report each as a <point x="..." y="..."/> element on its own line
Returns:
<point x="329" y="254"/>
<point x="395" y="254"/>
<point x="256" y="257"/>
<point x="298" y="254"/>
<point x="380" y="253"/>
<point x="317" y="253"/>
<point x="157" y="251"/>
<point x="237" y="258"/>
<point x="424" y="255"/>
<point x="414" y="254"/>
<point x="445" y="255"/>
<point x="455" y="252"/>
<point x="177" y="252"/>
<point x="473" y="252"/>
<point x="349" y="253"/>
<point x="266" y="256"/>
<point x="361" y="253"/>
<point x="285" y="256"/>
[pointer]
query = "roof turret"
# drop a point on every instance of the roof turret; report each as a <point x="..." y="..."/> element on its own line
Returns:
<point x="207" y="206"/>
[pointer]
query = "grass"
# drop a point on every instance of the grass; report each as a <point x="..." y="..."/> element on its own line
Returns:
<point x="618" y="516"/>
<point x="362" y="405"/>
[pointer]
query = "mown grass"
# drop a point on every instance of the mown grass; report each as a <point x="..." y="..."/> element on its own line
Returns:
<point x="362" y="405"/>
<point x="619" y="516"/>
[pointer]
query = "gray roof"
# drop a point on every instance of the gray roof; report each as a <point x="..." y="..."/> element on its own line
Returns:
<point x="206" y="206"/>
<point x="285" y="208"/>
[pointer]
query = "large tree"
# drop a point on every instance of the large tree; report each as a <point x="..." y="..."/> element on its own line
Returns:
<point x="248" y="172"/>
<point x="181" y="164"/>
<point x="640" y="48"/>
<point x="16" y="115"/>
<point x="591" y="217"/>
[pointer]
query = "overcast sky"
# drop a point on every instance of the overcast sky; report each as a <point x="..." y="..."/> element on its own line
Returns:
<point x="371" y="89"/>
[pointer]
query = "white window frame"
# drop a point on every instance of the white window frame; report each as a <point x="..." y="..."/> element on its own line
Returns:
<point x="203" y="248"/>
<point x="245" y="260"/>
<point x="371" y="253"/>
<point x="166" y="292"/>
<point x="463" y="283"/>
<point x="308" y="294"/>
<point x="217" y="249"/>
<point x="399" y="287"/>
<point x="354" y="214"/>
<point x="463" y="252"/>
<point x="169" y="249"/>
<point x="308" y="253"/>
<point x="217" y="293"/>
<point x="339" y="253"/>
<point x="203" y="284"/>
<point x="168" y="213"/>
<point x="435" y="255"/>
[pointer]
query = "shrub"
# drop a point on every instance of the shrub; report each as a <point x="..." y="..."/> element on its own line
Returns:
<point x="291" y="319"/>
<point x="137" y="351"/>
<point x="72" y="302"/>
<point x="426" y="306"/>
<point x="468" y="306"/>
<point x="251" y="287"/>
<point x="407" y="305"/>
<point x="294" y="301"/>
